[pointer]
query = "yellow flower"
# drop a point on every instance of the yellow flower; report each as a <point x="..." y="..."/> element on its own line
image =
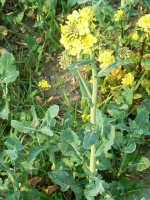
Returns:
<point x="87" y="14"/>
<point x="74" y="16"/>
<point x="83" y="27"/>
<point x="89" y="40"/>
<point x="119" y="15"/>
<point x="79" y="34"/>
<point x="135" y="36"/>
<point x="106" y="58"/>
<point x="85" y="118"/>
<point x="44" y="85"/>
<point x="128" y="80"/>
<point x="144" y="23"/>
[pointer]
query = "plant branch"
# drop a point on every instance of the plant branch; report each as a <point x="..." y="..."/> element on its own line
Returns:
<point x="93" y="117"/>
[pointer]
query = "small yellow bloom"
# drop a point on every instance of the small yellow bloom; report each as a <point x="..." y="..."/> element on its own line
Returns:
<point x="85" y="118"/>
<point x="135" y="36"/>
<point x="144" y="23"/>
<point x="44" y="85"/>
<point x="87" y="14"/>
<point x="105" y="58"/>
<point x="119" y="15"/>
<point x="128" y="80"/>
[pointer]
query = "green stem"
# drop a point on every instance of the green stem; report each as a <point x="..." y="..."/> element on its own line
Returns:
<point x="93" y="117"/>
<point x="123" y="3"/>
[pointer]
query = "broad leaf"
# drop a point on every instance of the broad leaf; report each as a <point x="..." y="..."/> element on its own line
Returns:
<point x="94" y="188"/>
<point x="106" y="144"/>
<point x="34" y="152"/>
<point x="143" y="164"/>
<point x="23" y="127"/>
<point x="69" y="142"/>
<point x="14" y="144"/>
<point x="4" y="112"/>
<point x="130" y="148"/>
<point x="53" y="111"/>
<point x="46" y="130"/>
<point x="66" y="181"/>
<point x="8" y="71"/>
<point x="90" y="138"/>
<point x="128" y="96"/>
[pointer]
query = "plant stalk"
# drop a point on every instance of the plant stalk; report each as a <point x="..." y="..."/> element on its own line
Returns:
<point x="93" y="117"/>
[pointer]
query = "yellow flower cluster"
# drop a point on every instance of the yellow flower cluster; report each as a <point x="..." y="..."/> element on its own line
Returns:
<point x="128" y="80"/>
<point x="105" y="58"/>
<point x="85" y="118"/>
<point x="146" y="84"/>
<point x="119" y="15"/>
<point x="135" y="36"/>
<point x="79" y="34"/>
<point x="44" y="85"/>
<point x="144" y="23"/>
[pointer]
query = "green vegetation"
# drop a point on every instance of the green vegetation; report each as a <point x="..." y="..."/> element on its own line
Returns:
<point x="94" y="148"/>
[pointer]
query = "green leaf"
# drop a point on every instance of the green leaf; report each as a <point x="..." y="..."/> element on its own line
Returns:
<point x="142" y="118"/>
<point x="14" y="144"/>
<point x="70" y="137"/>
<point x="82" y="62"/>
<point x="82" y="1"/>
<point x="130" y="149"/>
<point x="11" y="153"/>
<point x="112" y="67"/>
<point x="146" y="63"/>
<point x="66" y="181"/>
<point x="4" y="112"/>
<point x="128" y="96"/>
<point x="24" y="127"/>
<point x="53" y="111"/>
<point x="90" y="138"/>
<point x="143" y="164"/>
<point x="34" y="152"/>
<point x="106" y="144"/>
<point x="46" y="130"/>
<point x="8" y="71"/>
<point x="50" y="114"/>
<point x="94" y="188"/>
<point x="69" y="142"/>
<point x="19" y="17"/>
<point x="83" y="90"/>
<point x="71" y="3"/>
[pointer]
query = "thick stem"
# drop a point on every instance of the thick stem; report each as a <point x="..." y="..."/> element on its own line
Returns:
<point x="93" y="117"/>
<point x="123" y="3"/>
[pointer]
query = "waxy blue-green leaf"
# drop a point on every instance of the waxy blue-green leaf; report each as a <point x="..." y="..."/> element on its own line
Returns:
<point x="46" y="130"/>
<point x="34" y="152"/>
<point x="112" y="67"/>
<point x="106" y="144"/>
<point x="14" y="143"/>
<point x="90" y="138"/>
<point x="4" y="112"/>
<point x="94" y="188"/>
<point x="23" y="127"/>
<point x="8" y="71"/>
<point x="66" y="181"/>
<point x="53" y="111"/>
<point x="11" y="153"/>
<point x="130" y="148"/>
<point x="128" y="96"/>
